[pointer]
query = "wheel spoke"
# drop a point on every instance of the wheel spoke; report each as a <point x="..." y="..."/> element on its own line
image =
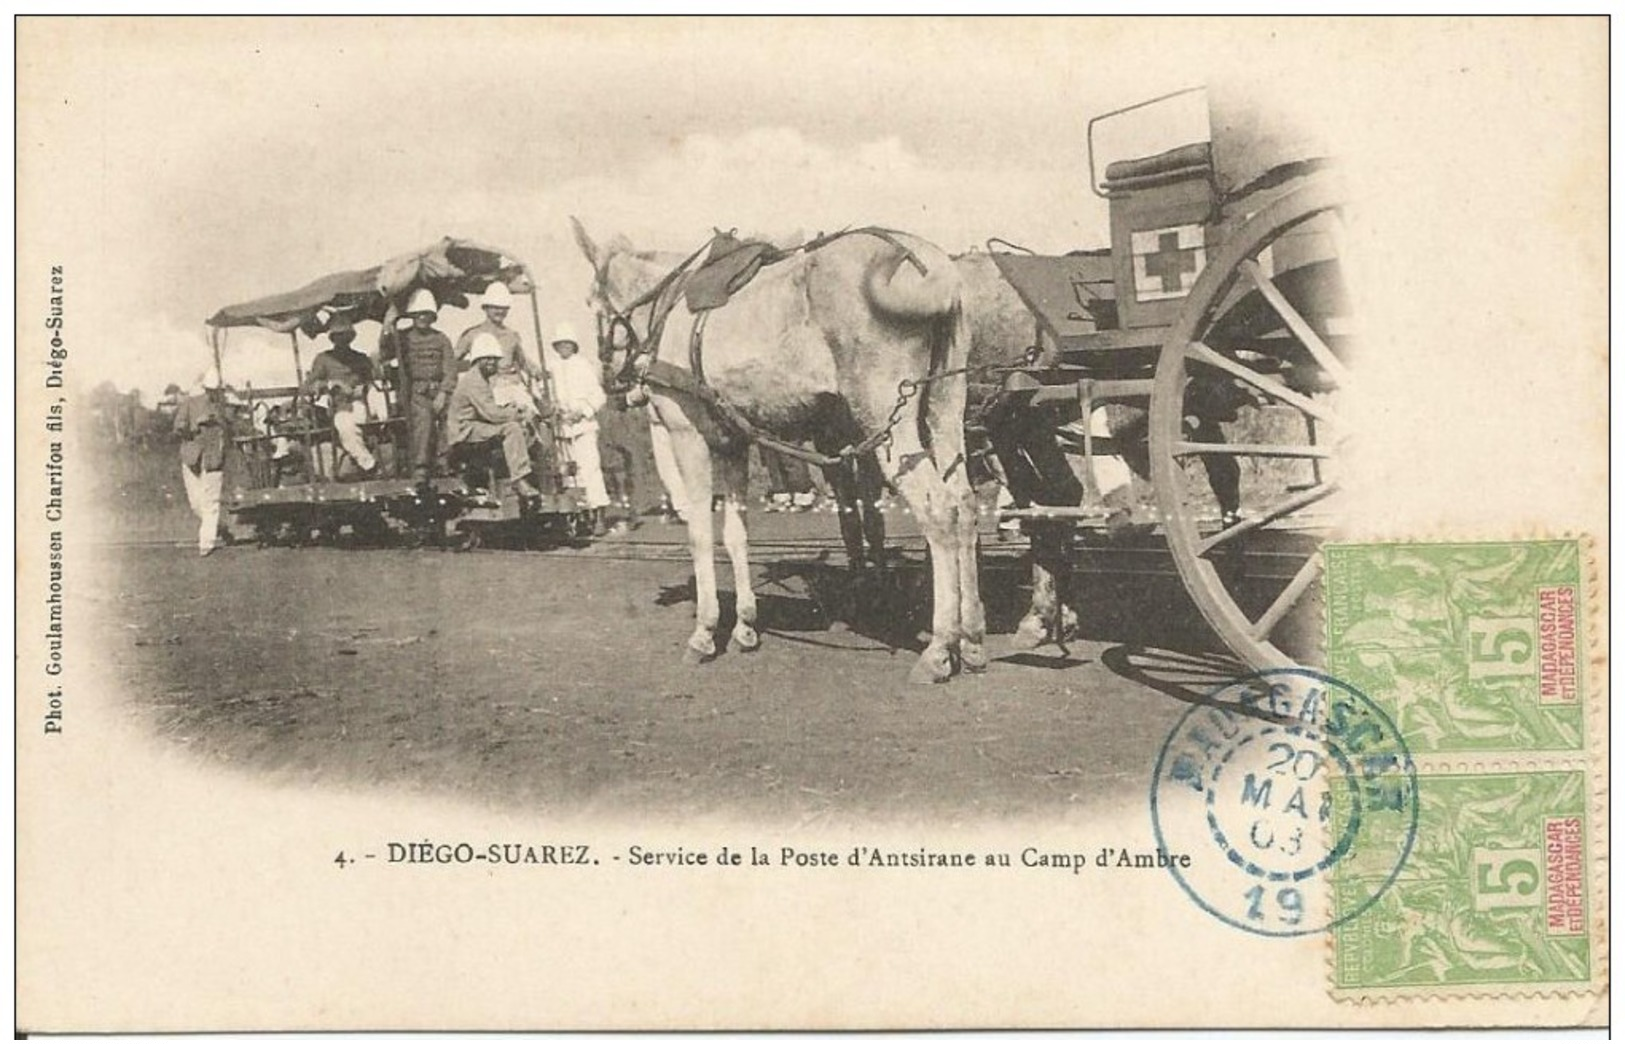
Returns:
<point x="1250" y="449"/>
<point x="1294" y="503"/>
<point x="1268" y="385"/>
<point x="1308" y="573"/>
<point x="1296" y="322"/>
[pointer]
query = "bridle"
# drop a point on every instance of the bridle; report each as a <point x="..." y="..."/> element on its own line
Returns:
<point x="639" y="349"/>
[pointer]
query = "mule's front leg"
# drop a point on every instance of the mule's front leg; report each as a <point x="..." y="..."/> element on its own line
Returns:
<point x="735" y="486"/>
<point x="693" y="459"/>
<point x="702" y="644"/>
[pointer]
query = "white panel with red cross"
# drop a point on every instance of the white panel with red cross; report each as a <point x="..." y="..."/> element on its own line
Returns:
<point x="1167" y="261"/>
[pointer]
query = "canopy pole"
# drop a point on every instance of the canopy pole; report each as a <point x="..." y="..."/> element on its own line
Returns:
<point x="215" y="334"/>
<point x="308" y="435"/>
<point x="298" y="367"/>
<point x="561" y="446"/>
<point x="541" y="345"/>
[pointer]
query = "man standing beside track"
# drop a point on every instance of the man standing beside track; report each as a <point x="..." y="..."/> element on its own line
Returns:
<point x="430" y="375"/>
<point x="202" y="428"/>
<point x="580" y="397"/>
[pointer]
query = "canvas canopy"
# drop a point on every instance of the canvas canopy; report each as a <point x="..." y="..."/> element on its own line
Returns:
<point x="452" y="269"/>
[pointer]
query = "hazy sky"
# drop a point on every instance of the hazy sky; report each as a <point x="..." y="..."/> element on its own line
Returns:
<point x="178" y="165"/>
<point x="239" y="158"/>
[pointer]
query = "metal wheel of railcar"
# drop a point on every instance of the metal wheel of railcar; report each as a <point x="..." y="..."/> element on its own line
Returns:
<point x="1245" y="430"/>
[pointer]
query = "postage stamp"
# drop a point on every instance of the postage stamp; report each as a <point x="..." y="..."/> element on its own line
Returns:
<point x="1470" y="648"/>
<point x="1477" y="652"/>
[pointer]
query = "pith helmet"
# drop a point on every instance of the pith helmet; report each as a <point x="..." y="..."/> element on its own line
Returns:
<point x="497" y="295"/>
<point x="565" y="333"/>
<point x="340" y="325"/>
<point x="484" y="346"/>
<point x="422" y="301"/>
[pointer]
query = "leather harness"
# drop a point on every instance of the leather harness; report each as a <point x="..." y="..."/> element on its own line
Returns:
<point x="644" y="368"/>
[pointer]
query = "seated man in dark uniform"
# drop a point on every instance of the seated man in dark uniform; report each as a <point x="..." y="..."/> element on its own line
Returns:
<point x="475" y="416"/>
<point x="338" y="379"/>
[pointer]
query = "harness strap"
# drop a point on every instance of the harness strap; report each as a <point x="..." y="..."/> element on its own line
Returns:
<point x="652" y="371"/>
<point x="676" y="379"/>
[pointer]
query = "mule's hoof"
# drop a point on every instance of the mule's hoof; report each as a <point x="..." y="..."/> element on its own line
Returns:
<point x="694" y="656"/>
<point x="972" y="656"/>
<point x="1030" y="633"/>
<point x="746" y="640"/>
<point x="933" y="667"/>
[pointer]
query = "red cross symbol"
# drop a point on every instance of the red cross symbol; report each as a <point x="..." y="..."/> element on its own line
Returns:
<point x="1170" y="263"/>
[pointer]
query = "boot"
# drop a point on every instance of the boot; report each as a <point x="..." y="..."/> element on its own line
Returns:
<point x="598" y="528"/>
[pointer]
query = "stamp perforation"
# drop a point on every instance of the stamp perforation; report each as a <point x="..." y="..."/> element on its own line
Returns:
<point x="1588" y="762"/>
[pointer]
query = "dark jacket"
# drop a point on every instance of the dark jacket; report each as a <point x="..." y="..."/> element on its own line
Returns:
<point x="199" y="423"/>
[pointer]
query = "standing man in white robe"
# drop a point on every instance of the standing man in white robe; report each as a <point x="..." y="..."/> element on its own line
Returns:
<point x="579" y="397"/>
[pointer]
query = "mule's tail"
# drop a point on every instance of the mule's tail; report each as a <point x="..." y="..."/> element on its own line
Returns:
<point x="901" y="291"/>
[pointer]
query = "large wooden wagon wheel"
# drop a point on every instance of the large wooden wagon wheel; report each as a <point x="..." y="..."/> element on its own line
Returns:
<point x="1244" y="427"/>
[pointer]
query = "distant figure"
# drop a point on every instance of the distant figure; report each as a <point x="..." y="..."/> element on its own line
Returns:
<point x="580" y="397"/>
<point x="510" y="384"/>
<point x="341" y="376"/>
<point x="789" y="482"/>
<point x="430" y="375"/>
<point x="200" y="423"/>
<point x="475" y="416"/>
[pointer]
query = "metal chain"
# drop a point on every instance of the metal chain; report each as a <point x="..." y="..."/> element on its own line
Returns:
<point x="907" y="388"/>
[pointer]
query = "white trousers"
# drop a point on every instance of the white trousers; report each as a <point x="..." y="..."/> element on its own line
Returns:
<point x="347" y="425"/>
<point x="203" y="494"/>
<point x="589" y="471"/>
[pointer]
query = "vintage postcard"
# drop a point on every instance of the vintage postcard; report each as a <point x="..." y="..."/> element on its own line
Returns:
<point x="796" y="523"/>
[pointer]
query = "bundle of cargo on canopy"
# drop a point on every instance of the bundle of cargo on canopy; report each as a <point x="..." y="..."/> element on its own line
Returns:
<point x="454" y="270"/>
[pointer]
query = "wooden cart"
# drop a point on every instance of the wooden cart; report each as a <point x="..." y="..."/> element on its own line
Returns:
<point x="1218" y="319"/>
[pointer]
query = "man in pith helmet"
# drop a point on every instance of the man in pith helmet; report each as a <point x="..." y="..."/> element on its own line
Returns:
<point x="200" y="422"/>
<point x="475" y="416"/>
<point x="579" y="398"/>
<point x="430" y="375"/>
<point x="341" y="375"/>
<point x="514" y="366"/>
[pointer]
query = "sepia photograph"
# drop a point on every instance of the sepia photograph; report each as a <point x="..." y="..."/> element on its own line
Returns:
<point x="709" y="523"/>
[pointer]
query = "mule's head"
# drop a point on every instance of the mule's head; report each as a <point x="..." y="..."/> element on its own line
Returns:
<point x="621" y="277"/>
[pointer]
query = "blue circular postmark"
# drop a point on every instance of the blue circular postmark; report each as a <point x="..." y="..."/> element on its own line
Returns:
<point x="1273" y="783"/>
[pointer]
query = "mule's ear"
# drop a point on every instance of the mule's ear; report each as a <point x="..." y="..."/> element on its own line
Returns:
<point x="584" y="241"/>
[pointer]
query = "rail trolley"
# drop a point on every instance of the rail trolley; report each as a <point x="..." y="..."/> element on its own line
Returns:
<point x="297" y="484"/>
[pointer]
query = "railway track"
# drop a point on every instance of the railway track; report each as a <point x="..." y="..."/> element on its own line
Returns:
<point x="1142" y="553"/>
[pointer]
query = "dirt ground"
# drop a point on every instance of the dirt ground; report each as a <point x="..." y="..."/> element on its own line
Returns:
<point x="553" y="680"/>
